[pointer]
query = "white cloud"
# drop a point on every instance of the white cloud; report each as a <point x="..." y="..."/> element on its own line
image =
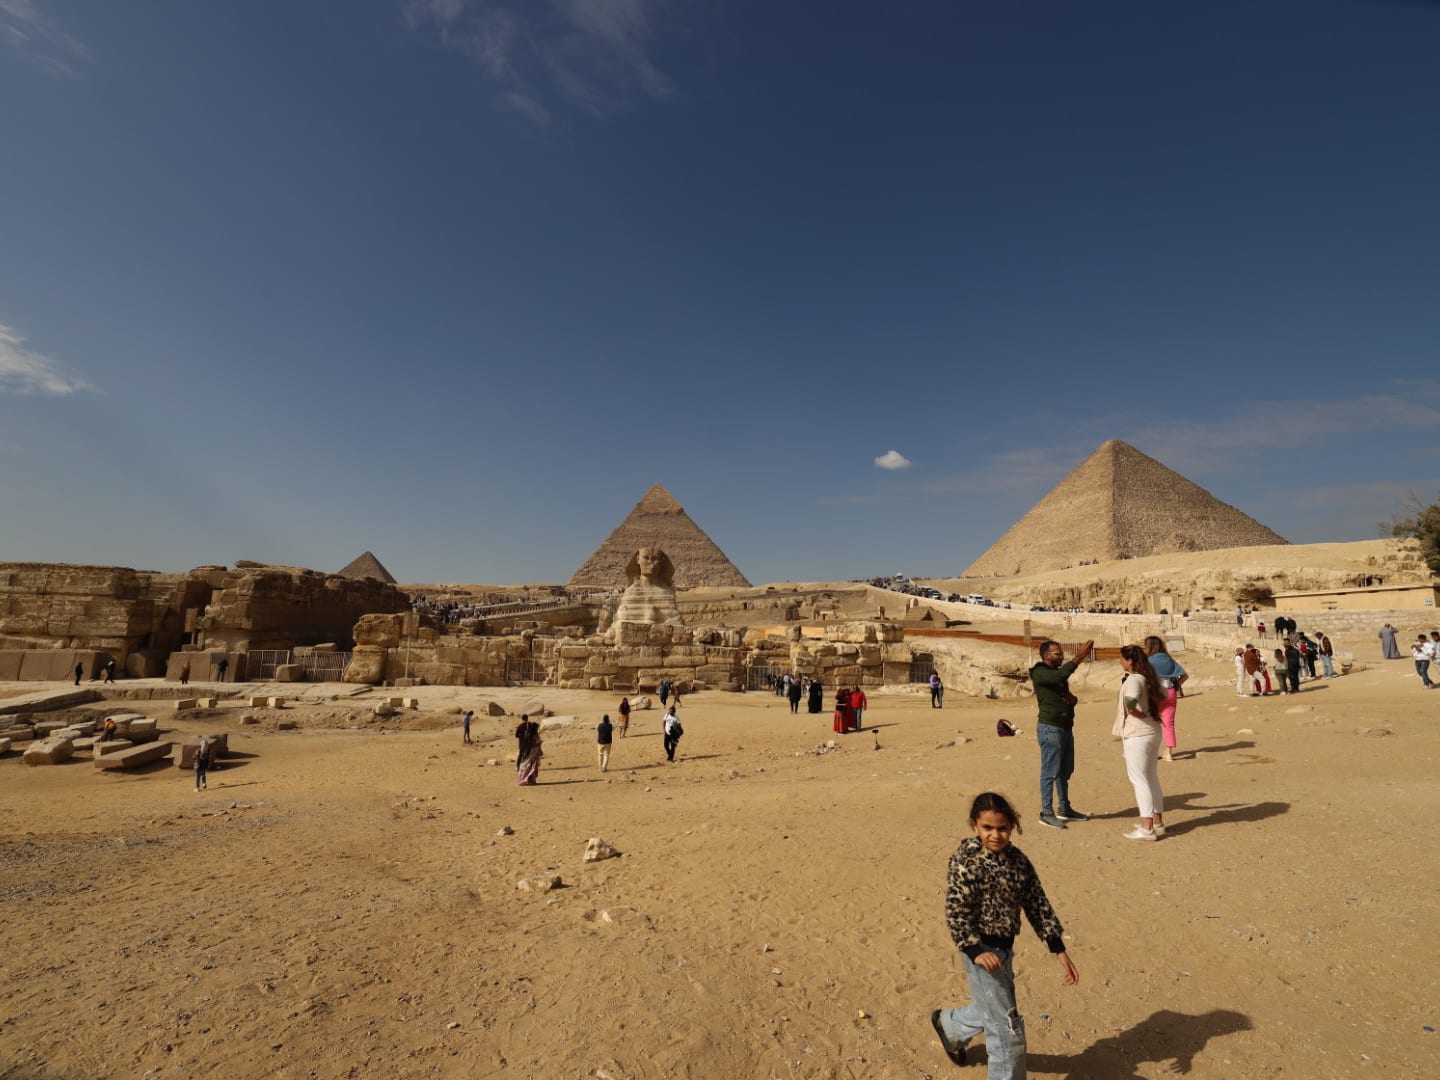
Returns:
<point x="28" y="29"/>
<point x="24" y="371"/>
<point x="892" y="459"/>
<point x="594" y="54"/>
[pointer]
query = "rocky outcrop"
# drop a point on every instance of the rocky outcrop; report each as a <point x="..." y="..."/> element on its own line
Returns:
<point x="279" y="607"/>
<point x="136" y="617"/>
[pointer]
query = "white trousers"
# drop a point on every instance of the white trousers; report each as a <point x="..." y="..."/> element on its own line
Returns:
<point x="1143" y="768"/>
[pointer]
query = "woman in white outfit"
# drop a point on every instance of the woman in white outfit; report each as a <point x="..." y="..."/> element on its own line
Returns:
<point x="1137" y="725"/>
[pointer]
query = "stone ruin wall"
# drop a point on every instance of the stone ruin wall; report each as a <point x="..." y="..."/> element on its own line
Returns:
<point x="94" y="613"/>
<point x="863" y="654"/>
<point x="280" y="607"/>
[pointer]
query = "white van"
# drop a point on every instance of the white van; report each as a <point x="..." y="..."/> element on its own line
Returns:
<point x="975" y="598"/>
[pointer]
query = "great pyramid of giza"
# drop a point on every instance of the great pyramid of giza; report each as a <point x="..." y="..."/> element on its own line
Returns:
<point x="367" y="566"/>
<point x="1118" y="504"/>
<point x="659" y="521"/>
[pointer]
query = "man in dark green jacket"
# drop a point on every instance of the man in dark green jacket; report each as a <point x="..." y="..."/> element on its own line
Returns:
<point x="1051" y="679"/>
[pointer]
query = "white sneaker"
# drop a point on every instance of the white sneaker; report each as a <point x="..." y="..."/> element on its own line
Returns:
<point x="1159" y="830"/>
<point x="1138" y="833"/>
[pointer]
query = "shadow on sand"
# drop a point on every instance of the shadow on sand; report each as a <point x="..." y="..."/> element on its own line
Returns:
<point x="1164" y="1036"/>
<point x="1225" y="814"/>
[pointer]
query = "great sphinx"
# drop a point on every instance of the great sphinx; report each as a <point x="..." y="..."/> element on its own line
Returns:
<point x="650" y="596"/>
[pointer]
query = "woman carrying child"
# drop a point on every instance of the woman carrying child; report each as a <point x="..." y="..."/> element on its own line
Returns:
<point x="990" y="882"/>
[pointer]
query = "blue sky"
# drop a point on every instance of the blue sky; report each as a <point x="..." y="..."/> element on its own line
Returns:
<point x="456" y="281"/>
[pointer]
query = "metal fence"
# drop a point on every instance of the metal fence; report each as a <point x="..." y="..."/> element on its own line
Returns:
<point x="762" y="678"/>
<point x="520" y="671"/>
<point x="326" y="667"/>
<point x="921" y="668"/>
<point x="260" y="664"/>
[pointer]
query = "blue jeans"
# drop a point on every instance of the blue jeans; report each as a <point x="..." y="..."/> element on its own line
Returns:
<point x="1057" y="765"/>
<point x="1422" y="668"/>
<point x="992" y="1012"/>
<point x="1329" y="664"/>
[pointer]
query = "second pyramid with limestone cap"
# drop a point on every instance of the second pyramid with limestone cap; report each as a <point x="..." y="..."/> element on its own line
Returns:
<point x="1119" y="504"/>
<point x="659" y="521"/>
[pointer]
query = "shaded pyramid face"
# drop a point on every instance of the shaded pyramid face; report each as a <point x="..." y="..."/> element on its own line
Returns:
<point x="659" y="521"/>
<point x="1118" y="504"/>
<point x="366" y="566"/>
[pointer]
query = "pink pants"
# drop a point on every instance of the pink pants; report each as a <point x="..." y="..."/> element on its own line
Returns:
<point x="1167" y="718"/>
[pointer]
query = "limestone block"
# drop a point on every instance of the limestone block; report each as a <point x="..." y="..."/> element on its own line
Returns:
<point x="18" y="734"/>
<point x="186" y="703"/>
<point x="896" y="671"/>
<point x="207" y="703"/>
<point x="190" y="746"/>
<point x="632" y="634"/>
<point x="84" y="727"/>
<point x="871" y="654"/>
<point x="85" y="743"/>
<point x="4" y="745"/>
<point x="573" y="652"/>
<point x="492" y="708"/>
<point x="49" y="752"/>
<point x="290" y="673"/>
<point x="45" y="728"/>
<point x="382" y="631"/>
<point x="410" y="703"/>
<point x="275" y="703"/>
<point x="259" y="702"/>
<point x="135" y="755"/>
<point x="367" y="665"/>
<point x="598" y="682"/>
<point x="437" y="674"/>
<point x="110" y="746"/>
<point x="142" y="726"/>
<point x="601" y="664"/>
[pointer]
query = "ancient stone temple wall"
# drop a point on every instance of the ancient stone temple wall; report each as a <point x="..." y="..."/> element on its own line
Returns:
<point x="136" y="617"/>
<point x="279" y="607"/>
<point x="854" y="654"/>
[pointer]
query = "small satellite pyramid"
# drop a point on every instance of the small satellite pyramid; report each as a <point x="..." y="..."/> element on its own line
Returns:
<point x="1119" y="504"/>
<point x="659" y="521"/>
<point x="367" y="566"/>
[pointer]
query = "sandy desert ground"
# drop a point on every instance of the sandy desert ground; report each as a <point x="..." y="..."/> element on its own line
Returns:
<point x="340" y="903"/>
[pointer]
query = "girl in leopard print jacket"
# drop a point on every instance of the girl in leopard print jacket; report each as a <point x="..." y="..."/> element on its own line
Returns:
<point x="990" y="883"/>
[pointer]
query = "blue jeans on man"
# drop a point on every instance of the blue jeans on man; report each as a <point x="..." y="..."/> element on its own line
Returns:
<point x="1422" y="668"/>
<point x="1057" y="765"/>
<point x="993" y="1012"/>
